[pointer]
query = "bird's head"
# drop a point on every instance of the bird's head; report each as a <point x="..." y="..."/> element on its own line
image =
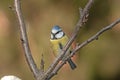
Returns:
<point x="56" y="32"/>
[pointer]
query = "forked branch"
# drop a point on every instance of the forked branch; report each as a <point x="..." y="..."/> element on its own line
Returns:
<point x="83" y="18"/>
<point x="78" y="47"/>
<point x="55" y="67"/>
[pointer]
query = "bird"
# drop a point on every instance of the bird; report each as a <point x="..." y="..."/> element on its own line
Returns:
<point x="58" y="40"/>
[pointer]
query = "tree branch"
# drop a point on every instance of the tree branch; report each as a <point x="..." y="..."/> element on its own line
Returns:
<point x="55" y="67"/>
<point x="94" y="37"/>
<point x="82" y="20"/>
<point x="24" y="38"/>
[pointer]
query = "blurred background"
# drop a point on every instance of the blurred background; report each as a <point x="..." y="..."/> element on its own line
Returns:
<point x="100" y="60"/>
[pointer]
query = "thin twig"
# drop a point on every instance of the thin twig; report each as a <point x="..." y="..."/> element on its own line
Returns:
<point x="94" y="37"/>
<point x="24" y="38"/>
<point x="82" y="20"/>
<point x="42" y="64"/>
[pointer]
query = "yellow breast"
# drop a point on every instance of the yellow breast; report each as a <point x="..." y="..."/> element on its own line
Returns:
<point x="56" y="42"/>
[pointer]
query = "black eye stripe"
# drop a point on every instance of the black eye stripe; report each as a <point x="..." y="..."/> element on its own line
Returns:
<point x="56" y="33"/>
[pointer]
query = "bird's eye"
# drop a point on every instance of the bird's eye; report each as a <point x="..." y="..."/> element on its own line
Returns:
<point x="59" y="35"/>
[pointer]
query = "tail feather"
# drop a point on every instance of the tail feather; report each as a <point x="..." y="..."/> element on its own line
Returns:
<point x="72" y="64"/>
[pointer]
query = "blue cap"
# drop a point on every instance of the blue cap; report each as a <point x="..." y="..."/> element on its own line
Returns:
<point x="55" y="29"/>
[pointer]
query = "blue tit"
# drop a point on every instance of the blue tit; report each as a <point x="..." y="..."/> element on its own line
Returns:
<point x="59" y="40"/>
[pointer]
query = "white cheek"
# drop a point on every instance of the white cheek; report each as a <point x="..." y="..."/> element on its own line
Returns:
<point x="59" y="35"/>
<point x="51" y="36"/>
